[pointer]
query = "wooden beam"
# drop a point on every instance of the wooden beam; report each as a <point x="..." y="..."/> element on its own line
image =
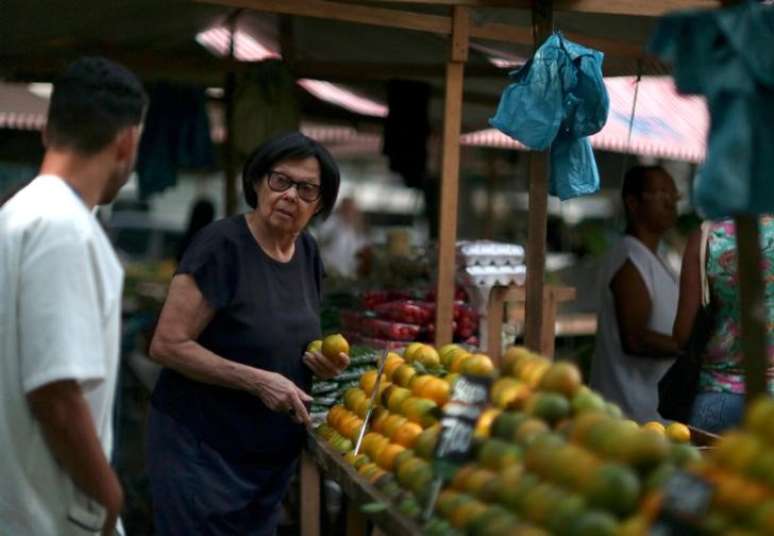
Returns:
<point x="450" y="172"/>
<point x="325" y="9"/>
<point x="386" y="71"/>
<point x="651" y="8"/>
<point x="375" y="16"/>
<point x="753" y="310"/>
<point x="310" y="496"/>
<point x="542" y="22"/>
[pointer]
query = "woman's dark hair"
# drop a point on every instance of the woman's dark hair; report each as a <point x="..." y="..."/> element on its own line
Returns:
<point x="92" y="101"/>
<point x="290" y="147"/>
<point x="634" y="184"/>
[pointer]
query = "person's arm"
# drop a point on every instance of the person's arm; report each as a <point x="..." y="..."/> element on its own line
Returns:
<point x="184" y="315"/>
<point x="66" y="421"/>
<point x="690" y="291"/>
<point x="633" y="308"/>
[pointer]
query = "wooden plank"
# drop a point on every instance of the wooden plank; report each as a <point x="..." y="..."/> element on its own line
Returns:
<point x="358" y="490"/>
<point x="536" y="248"/>
<point x="325" y="9"/>
<point x="460" y="34"/>
<point x="519" y="294"/>
<point x="651" y="8"/>
<point x="355" y="521"/>
<point x="548" y="333"/>
<point x="412" y="20"/>
<point x="542" y="26"/>
<point x="552" y="296"/>
<point x="450" y="169"/>
<point x="310" y="496"/>
<point x="359" y="71"/>
<point x="494" y="324"/>
<point x="753" y="311"/>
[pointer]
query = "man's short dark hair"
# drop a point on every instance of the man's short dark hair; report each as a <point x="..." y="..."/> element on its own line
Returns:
<point x="635" y="181"/>
<point x="291" y="146"/>
<point x="92" y="101"/>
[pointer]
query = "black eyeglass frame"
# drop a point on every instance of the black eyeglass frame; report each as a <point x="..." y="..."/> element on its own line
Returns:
<point x="301" y="186"/>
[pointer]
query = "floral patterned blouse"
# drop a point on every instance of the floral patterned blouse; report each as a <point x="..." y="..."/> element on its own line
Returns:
<point x="722" y="367"/>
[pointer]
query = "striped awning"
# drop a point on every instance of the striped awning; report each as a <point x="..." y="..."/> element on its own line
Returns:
<point x="20" y="108"/>
<point x="665" y="124"/>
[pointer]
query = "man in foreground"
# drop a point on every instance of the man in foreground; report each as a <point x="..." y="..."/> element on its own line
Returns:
<point x="60" y="307"/>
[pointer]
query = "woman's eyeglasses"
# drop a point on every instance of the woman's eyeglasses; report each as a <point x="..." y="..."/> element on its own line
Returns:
<point x="279" y="182"/>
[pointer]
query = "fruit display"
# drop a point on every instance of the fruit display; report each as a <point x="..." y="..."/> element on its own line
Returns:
<point x="739" y="471"/>
<point x="326" y="393"/>
<point x="548" y="456"/>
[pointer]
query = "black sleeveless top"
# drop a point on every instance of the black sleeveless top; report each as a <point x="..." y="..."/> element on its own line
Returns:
<point x="266" y="312"/>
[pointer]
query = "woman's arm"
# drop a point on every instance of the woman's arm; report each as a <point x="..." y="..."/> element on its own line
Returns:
<point x="184" y="315"/>
<point x="690" y="291"/>
<point x="633" y="307"/>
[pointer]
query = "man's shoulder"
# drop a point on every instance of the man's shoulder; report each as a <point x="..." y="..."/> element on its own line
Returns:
<point x="47" y="207"/>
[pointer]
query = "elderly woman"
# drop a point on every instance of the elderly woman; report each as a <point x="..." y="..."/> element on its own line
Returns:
<point x="228" y="413"/>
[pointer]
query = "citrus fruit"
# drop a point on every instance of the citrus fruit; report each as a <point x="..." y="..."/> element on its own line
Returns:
<point x="477" y="365"/>
<point x="392" y="423"/>
<point x="587" y="400"/>
<point x="314" y="346"/>
<point x="368" y="381"/>
<point x="562" y="377"/>
<point x="408" y="352"/>
<point x="386" y="457"/>
<point x="333" y="345"/>
<point x="484" y="424"/>
<point x="352" y="396"/>
<point x="678" y="432"/>
<point x="406" y="434"/>
<point x="403" y="375"/>
<point x="427" y="355"/>
<point x="550" y="407"/>
<point x="392" y="362"/>
<point x="614" y="488"/>
<point x="656" y="426"/>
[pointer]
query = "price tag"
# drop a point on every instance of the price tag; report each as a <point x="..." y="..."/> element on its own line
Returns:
<point x="460" y="414"/>
<point x="686" y="501"/>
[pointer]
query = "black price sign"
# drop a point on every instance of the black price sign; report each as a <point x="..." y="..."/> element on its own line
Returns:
<point x="460" y="415"/>
<point x="686" y="501"/>
<point x="470" y="396"/>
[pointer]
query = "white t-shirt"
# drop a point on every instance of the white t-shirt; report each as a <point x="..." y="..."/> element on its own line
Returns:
<point x="60" y="307"/>
<point x="632" y="381"/>
<point x="339" y="243"/>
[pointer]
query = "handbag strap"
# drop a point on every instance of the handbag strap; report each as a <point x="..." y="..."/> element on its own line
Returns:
<point x="705" y="293"/>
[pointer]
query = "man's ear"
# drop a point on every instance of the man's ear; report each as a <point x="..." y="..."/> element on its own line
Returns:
<point x="126" y="142"/>
<point x="44" y="137"/>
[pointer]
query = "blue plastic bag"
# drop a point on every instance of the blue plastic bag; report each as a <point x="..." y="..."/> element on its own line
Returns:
<point x="557" y="99"/>
<point x="728" y="55"/>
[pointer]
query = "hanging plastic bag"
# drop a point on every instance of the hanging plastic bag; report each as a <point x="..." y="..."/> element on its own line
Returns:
<point x="728" y="55"/>
<point x="557" y="99"/>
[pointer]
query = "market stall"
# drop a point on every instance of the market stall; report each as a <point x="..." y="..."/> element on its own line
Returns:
<point x="535" y="416"/>
<point x="528" y="449"/>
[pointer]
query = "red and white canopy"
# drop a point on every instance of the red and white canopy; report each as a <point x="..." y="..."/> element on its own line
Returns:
<point x="665" y="125"/>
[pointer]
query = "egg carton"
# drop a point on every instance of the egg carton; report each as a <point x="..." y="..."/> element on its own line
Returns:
<point x="489" y="276"/>
<point x="488" y="253"/>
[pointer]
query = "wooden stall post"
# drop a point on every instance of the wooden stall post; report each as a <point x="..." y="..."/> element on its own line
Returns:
<point x="542" y="24"/>
<point x="447" y="228"/>
<point x="310" y="496"/>
<point x="753" y="312"/>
